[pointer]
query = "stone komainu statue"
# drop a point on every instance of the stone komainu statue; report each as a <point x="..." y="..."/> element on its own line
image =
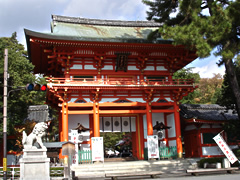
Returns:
<point x="35" y="136"/>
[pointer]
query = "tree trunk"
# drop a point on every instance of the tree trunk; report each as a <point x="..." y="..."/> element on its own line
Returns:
<point x="232" y="78"/>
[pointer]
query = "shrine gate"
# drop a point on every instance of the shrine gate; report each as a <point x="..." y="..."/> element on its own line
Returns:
<point x="110" y="77"/>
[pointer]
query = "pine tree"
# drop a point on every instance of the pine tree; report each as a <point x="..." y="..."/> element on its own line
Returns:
<point x="203" y="25"/>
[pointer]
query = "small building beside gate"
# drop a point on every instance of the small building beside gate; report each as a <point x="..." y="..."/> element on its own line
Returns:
<point x="108" y="76"/>
<point x="200" y="123"/>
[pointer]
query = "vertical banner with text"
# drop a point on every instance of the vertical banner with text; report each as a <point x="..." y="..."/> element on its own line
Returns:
<point x="74" y="139"/>
<point x="97" y="149"/>
<point x="152" y="142"/>
<point x="225" y="148"/>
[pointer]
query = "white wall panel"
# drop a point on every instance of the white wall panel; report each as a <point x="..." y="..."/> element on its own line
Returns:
<point x="213" y="150"/>
<point x="125" y="124"/>
<point x="161" y="68"/>
<point x="132" y="68"/>
<point x="116" y="124"/>
<point x="171" y="123"/>
<point x="107" y="67"/>
<point x="133" y="124"/>
<point x="157" y="117"/>
<point x="107" y="123"/>
<point x="136" y="100"/>
<point x="74" y="119"/>
<point x="145" y="126"/>
<point x="190" y="127"/>
<point x="172" y="143"/>
<point x="76" y="66"/>
<point x="89" y="67"/>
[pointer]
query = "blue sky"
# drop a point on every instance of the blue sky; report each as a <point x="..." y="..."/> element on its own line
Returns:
<point x="15" y="15"/>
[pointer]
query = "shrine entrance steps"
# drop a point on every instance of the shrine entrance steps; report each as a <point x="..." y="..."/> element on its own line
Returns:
<point x="100" y="170"/>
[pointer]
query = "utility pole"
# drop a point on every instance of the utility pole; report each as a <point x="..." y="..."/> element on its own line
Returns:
<point x="5" y="114"/>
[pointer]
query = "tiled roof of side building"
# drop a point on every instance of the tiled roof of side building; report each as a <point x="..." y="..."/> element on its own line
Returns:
<point x="211" y="112"/>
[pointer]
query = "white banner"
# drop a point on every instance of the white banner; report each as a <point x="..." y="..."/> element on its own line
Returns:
<point x="97" y="149"/>
<point x="225" y="148"/>
<point x="74" y="139"/>
<point x="152" y="142"/>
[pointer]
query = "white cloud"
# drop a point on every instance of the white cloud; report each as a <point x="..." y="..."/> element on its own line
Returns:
<point x="209" y="69"/>
<point x="105" y="9"/>
<point x="15" y="15"/>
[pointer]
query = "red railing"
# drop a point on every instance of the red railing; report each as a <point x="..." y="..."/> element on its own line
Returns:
<point x="119" y="81"/>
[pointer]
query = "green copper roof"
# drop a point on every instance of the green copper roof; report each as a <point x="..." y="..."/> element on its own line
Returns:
<point x="102" y="32"/>
<point x="82" y="29"/>
<point x="102" y="29"/>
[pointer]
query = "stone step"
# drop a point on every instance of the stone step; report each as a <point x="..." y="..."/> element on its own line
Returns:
<point x="99" y="169"/>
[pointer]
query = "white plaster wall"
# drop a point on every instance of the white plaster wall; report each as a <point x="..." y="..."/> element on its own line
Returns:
<point x="136" y="100"/>
<point x="145" y="126"/>
<point x="171" y="123"/>
<point x="149" y="68"/>
<point x="76" y="66"/>
<point x="103" y="100"/>
<point x="72" y="100"/>
<point x="190" y="127"/>
<point x="133" y="124"/>
<point x="74" y="119"/>
<point x="172" y="143"/>
<point x="89" y="67"/>
<point x="213" y="150"/>
<point x="84" y="147"/>
<point x="107" y="67"/>
<point x="161" y="68"/>
<point x="205" y="126"/>
<point x="157" y="117"/>
<point x="132" y="68"/>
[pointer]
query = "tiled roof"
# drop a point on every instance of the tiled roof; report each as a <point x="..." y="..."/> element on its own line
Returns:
<point x="211" y="112"/>
<point x="78" y="20"/>
<point x="76" y="28"/>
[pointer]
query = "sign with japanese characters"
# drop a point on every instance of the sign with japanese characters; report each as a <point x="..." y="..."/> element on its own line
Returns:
<point x="152" y="142"/>
<point x="97" y="149"/>
<point x="74" y="139"/>
<point x="225" y="148"/>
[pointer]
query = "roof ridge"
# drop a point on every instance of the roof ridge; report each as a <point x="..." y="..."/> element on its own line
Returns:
<point x="79" y="20"/>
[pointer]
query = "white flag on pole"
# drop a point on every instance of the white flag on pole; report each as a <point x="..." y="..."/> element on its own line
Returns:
<point x="225" y="148"/>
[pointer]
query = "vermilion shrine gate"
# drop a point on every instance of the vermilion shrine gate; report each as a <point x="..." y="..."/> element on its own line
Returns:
<point x="108" y="76"/>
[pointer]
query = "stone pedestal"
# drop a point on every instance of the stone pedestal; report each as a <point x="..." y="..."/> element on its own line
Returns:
<point x="34" y="165"/>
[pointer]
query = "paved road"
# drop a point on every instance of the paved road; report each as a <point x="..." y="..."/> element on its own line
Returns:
<point x="184" y="176"/>
<point x="206" y="177"/>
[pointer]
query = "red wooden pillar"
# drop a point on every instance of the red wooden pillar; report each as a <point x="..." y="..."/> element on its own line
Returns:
<point x="96" y="124"/>
<point x="178" y="130"/>
<point x="149" y="119"/>
<point x="166" y="131"/>
<point x="91" y="128"/>
<point x="65" y="121"/>
<point x="60" y="127"/>
<point x="139" y="137"/>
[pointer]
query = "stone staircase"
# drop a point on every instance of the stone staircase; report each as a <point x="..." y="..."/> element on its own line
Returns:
<point x="99" y="169"/>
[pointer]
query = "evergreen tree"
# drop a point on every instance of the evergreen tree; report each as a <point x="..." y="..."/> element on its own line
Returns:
<point x="202" y="25"/>
<point x="20" y="74"/>
<point x="186" y="73"/>
<point x="226" y="97"/>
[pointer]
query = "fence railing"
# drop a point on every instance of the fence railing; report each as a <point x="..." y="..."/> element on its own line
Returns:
<point x="85" y="156"/>
<point x="164" y="152"/>
<point x="119" y="81"/>
<point x="12" y="172"/>
<point x="168" y="152"/>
